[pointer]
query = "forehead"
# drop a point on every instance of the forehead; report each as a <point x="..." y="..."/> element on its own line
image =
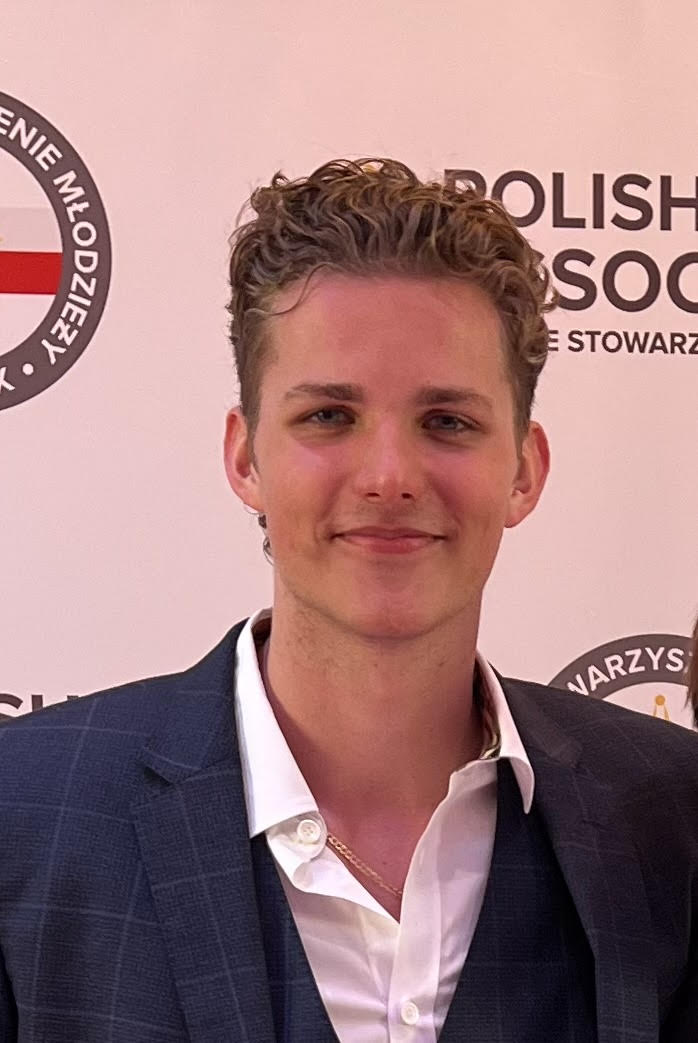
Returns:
<point x="448" y="307"/>
<point x="394" y="328"/>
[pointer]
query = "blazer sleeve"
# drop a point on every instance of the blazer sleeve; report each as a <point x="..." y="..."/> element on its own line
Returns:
<point x="8" y="1007"/>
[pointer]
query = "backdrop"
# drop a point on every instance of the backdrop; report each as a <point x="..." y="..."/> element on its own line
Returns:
<point x="130" y="137"/>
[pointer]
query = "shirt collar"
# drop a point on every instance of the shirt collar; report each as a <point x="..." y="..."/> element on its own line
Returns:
<point x="510" y="745"/>
<point x="275" y="789"/>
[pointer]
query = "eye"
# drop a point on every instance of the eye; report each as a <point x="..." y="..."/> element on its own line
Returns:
<point x="449" y="423"/>
<point x="328" y="417"/>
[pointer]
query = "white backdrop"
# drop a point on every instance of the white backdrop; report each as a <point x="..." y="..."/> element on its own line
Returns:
<point x="123" y="552"/>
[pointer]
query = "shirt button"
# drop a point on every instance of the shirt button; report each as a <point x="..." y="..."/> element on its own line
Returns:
<point x="409" y="1012"/>
<point x="309" y="831"/>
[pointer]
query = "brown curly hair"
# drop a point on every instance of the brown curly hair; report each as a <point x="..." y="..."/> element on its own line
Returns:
<point x="375" y="217"/>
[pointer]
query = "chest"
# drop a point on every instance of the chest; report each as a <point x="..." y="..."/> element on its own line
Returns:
<point x="488" y="930"/>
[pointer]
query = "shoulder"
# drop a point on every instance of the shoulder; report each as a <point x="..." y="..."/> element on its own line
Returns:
<point x="616" y="740"/>
<point x="88" y="745"/>
<point x="72" y="774"/>
<point x="645" y="771"/>
<point x="98" y="736"/>
<point x="127" y="710"/>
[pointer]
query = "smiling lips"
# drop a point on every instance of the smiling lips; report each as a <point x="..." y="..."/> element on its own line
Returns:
<point x="389" y="541"/>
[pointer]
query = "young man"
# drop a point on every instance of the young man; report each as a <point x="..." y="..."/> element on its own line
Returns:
<point x="343" y="824"/>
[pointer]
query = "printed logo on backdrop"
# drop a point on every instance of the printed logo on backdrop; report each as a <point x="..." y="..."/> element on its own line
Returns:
<point x="630" y="280"/>
<point x="55" y="254"/>
<point x="645" y="672"/>
<point x="19" y="705"/>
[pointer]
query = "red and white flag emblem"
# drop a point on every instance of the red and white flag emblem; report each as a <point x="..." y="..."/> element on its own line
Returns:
<point x="30" y="270"/>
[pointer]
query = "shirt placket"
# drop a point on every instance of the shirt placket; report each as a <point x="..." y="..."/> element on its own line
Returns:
<point x="415" y="977"/>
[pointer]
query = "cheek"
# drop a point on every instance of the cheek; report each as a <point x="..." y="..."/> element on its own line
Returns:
<point x="479" y="495"/>
<point x="301" y="491"/>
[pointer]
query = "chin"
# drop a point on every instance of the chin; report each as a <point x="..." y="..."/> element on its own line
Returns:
<point x="385" y="622"/>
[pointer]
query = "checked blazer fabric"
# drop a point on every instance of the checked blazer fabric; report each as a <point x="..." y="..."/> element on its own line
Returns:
<point x="134" y="908"/>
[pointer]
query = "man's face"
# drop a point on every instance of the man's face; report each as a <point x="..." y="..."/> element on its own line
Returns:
<point x="385" y="457"/>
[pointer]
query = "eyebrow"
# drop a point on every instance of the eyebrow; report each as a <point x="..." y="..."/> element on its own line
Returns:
<point x="337" y="392"/>
<point x="426" y="396"/>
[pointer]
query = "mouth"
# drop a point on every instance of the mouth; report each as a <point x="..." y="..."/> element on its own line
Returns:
<point x="389" y="541"/>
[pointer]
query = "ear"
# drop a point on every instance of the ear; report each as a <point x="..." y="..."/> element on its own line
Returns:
<point x="240" y="466"/>
<point x="534" y="465"/>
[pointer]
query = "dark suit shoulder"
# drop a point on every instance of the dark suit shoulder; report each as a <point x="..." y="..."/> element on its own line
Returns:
<point x="128" y="712"/>
<point x="137" y="705"/>
<point x="645" y="775"/>
<point x="621" y="745"/>
<point x="129" y="707"/>
<point x="90" y="746"/>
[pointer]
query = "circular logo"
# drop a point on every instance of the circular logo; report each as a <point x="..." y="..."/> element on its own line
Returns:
<point x="55" y="254"/>
<point x="645" y="672"/>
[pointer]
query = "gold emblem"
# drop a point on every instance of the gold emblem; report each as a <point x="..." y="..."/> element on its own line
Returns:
<point x="660" y="709"/>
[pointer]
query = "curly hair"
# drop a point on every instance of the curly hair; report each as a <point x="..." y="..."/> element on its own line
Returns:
<point x="375" y="217"/>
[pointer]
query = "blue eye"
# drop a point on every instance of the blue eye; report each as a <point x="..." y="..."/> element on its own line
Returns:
<point x="327" y="417"/>
<point x="445" y="423"/>
<point x="453" y="423"/>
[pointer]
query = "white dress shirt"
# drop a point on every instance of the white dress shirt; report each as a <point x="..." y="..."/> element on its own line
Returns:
<point x="381" y="981"/>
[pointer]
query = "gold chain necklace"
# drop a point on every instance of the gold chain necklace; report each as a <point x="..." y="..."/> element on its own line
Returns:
<point x="346" y="852"/>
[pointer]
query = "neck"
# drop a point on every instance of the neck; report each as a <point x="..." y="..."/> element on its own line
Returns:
<point x="376" y="726"/>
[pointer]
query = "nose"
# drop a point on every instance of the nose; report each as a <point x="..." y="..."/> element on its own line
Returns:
<point x="388" y="468"/>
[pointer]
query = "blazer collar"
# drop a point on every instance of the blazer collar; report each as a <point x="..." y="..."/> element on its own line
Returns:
<point x="197" y="723"/>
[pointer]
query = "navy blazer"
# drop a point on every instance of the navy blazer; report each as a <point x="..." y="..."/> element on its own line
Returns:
<point x="128" y="909"/>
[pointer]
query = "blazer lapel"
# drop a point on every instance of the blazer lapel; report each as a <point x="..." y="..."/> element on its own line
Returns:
<point x="601" y="869"/>
<point x="192" y="830"/>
